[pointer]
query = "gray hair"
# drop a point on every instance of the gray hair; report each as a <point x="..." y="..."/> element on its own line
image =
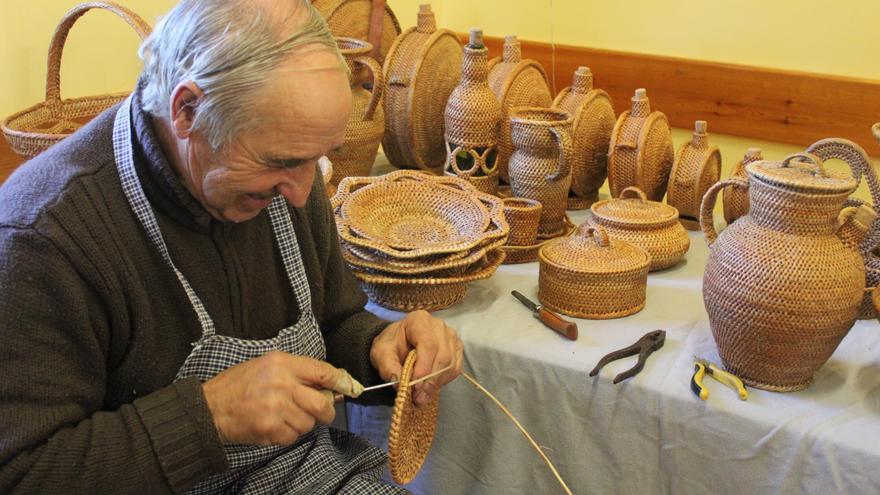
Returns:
<point x="228" y="48"/>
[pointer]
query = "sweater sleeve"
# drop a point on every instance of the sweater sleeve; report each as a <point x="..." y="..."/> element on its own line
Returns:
<point x="55" y="436"/>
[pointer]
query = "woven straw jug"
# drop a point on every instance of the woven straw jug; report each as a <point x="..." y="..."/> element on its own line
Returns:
<point x="473" y="119"/>
<point x="365" y="126"/>
<point x="736" y="201"/>
<point x="696" y="168"/>
<point x="516" y="83"/>
<point x="780" y="287"/>
<point x="540" y="168"/>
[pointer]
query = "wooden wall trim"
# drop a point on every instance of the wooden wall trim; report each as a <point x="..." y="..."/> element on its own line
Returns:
<point x="773" y="105"/>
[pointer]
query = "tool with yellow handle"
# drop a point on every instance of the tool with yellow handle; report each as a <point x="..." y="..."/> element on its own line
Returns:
<point x="703" y="368"/>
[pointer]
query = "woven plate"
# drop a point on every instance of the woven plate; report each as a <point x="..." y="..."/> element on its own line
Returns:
<point x="516" y="83"/>
<point x="412" y="428"/>
<point x="696" y="168"/>
<point x="351" y="19"/>
<point x="362" y="259"/>
<point x="421" y="69"/>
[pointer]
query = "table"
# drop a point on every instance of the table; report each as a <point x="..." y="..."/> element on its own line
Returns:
<point x="649" y="434"/>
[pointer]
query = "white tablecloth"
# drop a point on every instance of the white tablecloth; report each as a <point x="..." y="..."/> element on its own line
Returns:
<point x="648" y="434"/>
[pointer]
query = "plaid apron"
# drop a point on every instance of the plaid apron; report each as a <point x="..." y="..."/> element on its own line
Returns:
<point x="322" y="461"/>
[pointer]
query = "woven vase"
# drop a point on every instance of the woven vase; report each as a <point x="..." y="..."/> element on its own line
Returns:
<point x="696" y="168"/>
<point x="640" y="152"/>
<point x="781" y="289"/>
<point x="540" y="168"/>
<point x="735" y="200"/>
<point x="594" y="119"/>
<point x="354" y="19"/>
<point x="860" y="227"/>
<point x="516" y="83"/>
<point x="365" y="126"/>
<point x="473" y="118"/>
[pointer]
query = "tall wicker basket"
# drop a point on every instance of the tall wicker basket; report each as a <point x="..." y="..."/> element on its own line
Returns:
<point x="34" y="129"/>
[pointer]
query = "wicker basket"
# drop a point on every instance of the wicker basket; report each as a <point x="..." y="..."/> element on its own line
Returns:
<point x="516" y="83"/>
<point x="650" y="225"/>
<point x="353" y="19"/>
<point x="455" y="264"/>
<point x="696" y="168"/>
<point x="523" y="215"/>
<point x="422" y="68"/>
<point x="640" y="152"/>
<point x="412" y="428"/>
<point x="33" y="130"/>
<point x="735" y="200"/>
<point x="594" y="120"/>
<point x="529" y="253"/>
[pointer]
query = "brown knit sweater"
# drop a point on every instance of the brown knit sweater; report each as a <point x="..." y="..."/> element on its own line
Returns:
<point x="94" y="325"/>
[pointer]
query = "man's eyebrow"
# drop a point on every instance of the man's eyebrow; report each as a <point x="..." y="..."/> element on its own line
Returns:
<point x="287" y="162"/>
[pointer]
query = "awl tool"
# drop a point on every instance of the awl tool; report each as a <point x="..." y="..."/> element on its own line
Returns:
<point x="703" y="368"/>
<point x="551" y="320"/>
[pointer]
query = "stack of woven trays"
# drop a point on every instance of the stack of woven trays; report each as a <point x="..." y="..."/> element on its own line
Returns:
<point x="415" y="240"/>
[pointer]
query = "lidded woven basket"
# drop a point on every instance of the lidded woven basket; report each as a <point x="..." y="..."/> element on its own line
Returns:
<point x="640" y="152"/>
<point x="36" y="128"/>
<point x="421" y="69"/>
<point x="650" y="225"/>
<point x="696" y="168"/>
<point x="591" y="276"/>
<point x="594" y="120"/>
<point x="354" y="18"/>
<point x="736" y="201"/>
<point x="515" y="82"/>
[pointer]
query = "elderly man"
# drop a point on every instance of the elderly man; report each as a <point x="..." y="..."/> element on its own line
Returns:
<point x="174" y="304"/>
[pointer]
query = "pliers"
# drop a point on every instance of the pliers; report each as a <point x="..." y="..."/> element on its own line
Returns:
<point x="646" y="345"/>
<point x="703" y="368"/>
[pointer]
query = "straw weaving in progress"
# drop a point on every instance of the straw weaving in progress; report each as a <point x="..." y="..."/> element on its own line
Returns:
<point x="412" y="428"/>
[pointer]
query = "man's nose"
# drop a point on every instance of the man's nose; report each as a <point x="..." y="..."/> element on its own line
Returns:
<point x="296" y="183"/>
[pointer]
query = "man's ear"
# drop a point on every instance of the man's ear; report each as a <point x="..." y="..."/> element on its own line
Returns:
<point x="184" y="101"/>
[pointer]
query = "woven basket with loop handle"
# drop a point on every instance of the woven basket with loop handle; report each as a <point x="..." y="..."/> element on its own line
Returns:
<point x="33" y="130"/>
<point x="421" y="69"/>
<point x="696" y="168"/>
<point x="735" y="200"/>
<point x="371" y="20"/>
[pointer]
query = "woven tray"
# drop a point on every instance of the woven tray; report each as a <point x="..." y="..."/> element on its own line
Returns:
<point x="34" y="129"/>
<point x="736" y="200"/>
<point x="696" y="168"/>
<point x="412" y="428"/>
<point x="516" y="83"/>
<point x="456" y="264"/>
<point x="351" y="19"/>
<point x="640" y="153"/>
<point x="421" y="69"/>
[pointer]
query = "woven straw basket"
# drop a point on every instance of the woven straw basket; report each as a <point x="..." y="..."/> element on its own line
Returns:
<point x="421" y="69"/>
<point x="650" y="225"/>
<point x="735" y="200"/>
<point x="591" y="276"/>
<point x="33" y="130"/>
<point x="640" y="152"/>
<point x="353" y="19"/>
<point x="516" y="83"/>
<point x="594" y="120"/>
<point x="696" y="168"/>
<point x="412" y="428"/>
<point x="523" y="215"/>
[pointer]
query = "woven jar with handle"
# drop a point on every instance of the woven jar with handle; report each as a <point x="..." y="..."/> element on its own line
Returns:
<point x="589" y="275"/>
<point x="735" y="200"/>
<point x="594" y="120"/>
<point x="366" y="124"/>
<point x="780" y="287"/>
<point x="650" y="225"/>
<point x="523" y="215"/>
<point x="34" y="129"/>
<point x="540" y="168"/>
<point x="357" y="19"/>
<point x="422" y="68"/>
<point x="640" y="152"/>
<point x="696" y="168"/>
<point x="473" y="119"/>
<point x="860" y="226"/>
<point x="516" y="83"/>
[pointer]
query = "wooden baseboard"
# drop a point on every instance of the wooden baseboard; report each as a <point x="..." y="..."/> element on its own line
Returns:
<point x="9" y="160"/>
<point x="773" y="105"/>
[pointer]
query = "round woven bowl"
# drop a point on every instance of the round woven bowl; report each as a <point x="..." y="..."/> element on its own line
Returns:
<point x="34" y="129"/>
<point x="696" y="168"/>
<point x="351" y="19"/>
<point x="412" y="428"/>
<point x="456" y="264"/>
<point x="523" y="215"/>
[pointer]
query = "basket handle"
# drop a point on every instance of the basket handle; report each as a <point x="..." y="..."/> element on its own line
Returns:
<point x="707" y="221"/>
<point x="634" y="190"/>
<point x="875" y="129"/>
<point x="59" y="37"/>
<point x="598" y="233"/>
<point x="810" y="158"/>
<point x="378" y="84"/>
<point x="563" y="139"/>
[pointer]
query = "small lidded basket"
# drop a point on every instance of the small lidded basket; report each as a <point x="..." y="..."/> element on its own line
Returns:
<point x="591" y="276"/>
<point x="650" y="225"/>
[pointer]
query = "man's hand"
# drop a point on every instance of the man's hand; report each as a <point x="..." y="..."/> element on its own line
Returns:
<point x="271" y="400"/>
<point x="437" y="346"/>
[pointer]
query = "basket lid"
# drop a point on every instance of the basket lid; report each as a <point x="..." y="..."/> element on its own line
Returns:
<point x="591" y="251"/>
<point x="633" y="208"/>
<point x="802" y="171"/>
